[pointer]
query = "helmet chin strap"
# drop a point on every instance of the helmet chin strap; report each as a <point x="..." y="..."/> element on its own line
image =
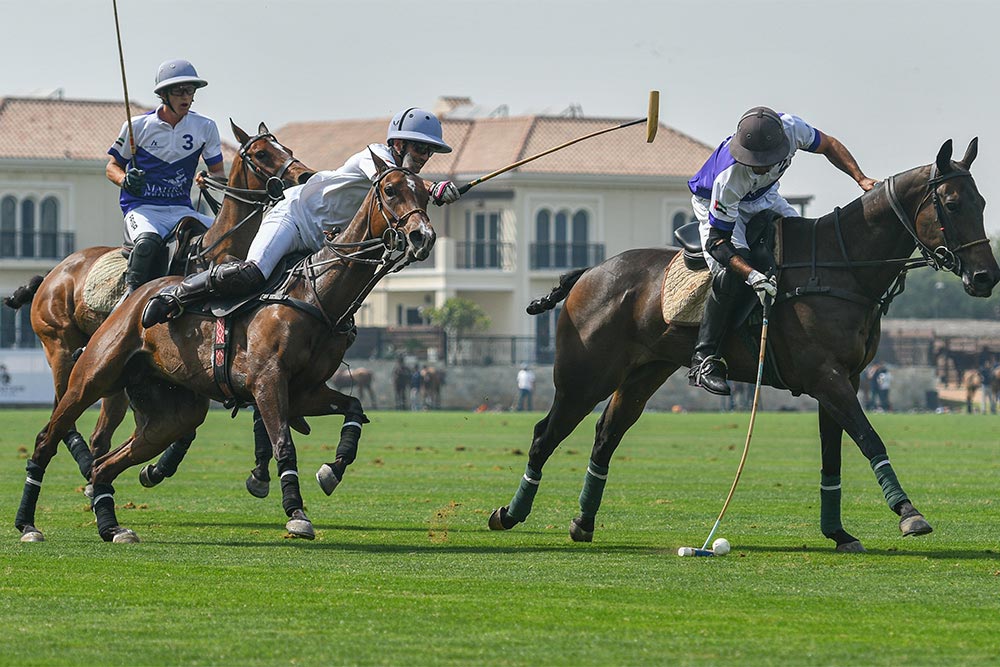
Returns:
<point x="166" y="102"/>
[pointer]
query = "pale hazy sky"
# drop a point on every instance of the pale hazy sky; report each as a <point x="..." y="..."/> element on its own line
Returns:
<point x="891" y="79"/>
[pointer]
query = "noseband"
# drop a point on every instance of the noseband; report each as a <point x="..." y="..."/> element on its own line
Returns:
<point x="944" y="256"/>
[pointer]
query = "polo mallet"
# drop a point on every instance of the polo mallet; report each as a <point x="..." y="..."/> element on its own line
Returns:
<point x="652" y="121"/>
<point x="121" y="59"/>
<point x="705" y="551"/>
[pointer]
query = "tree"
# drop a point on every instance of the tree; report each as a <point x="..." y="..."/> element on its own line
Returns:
<point x="458" y="316"/>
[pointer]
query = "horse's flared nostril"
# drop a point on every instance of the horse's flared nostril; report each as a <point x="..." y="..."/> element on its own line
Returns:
<point x="983" y="280"/>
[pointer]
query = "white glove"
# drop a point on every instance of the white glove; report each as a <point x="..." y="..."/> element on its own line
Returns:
<point x="444" y="192"/>
<point x="764" y="286"/>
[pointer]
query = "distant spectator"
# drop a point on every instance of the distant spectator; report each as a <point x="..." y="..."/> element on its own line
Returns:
<point x="416" y="382"/>
<point x="401" y="374"/>
<point x="525" y="388"/>
<point x="883" y="381"/>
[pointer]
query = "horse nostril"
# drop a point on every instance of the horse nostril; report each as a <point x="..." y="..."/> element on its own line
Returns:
<point x="983" y="279"/>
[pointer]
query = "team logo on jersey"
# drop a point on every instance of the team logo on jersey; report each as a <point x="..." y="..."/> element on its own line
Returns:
<point x="719" y="207"/>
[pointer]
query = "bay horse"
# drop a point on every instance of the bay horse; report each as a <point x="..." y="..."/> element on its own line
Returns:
<point x="431" y="381"/>
<point x="282" y="352"/>
<point x="972" y="382"/>
<point x="64" y="321"/>
<point x="358" y="379"/>
<point x="841" y="272"/>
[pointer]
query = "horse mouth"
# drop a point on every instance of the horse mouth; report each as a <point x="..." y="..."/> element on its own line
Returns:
<point x="979" y="283"/>
<point x="420" y="242"/>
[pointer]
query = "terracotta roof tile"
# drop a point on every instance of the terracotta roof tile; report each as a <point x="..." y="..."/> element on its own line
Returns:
<point x="60" y="129"/>
<point x="483" y="145"/>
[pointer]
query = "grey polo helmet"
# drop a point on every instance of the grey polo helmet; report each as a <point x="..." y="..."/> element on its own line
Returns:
<point x="416" y="124"/>
<point x="176" y="72"/>
<point x="760" y="139"/>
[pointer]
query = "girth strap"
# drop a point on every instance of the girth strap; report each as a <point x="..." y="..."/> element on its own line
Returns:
<point x="220" y="364"/>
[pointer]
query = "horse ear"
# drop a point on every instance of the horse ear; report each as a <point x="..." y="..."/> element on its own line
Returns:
<point x="970" y="153"/>
<point x="262" y="129"/>
<point x="944" y="158"/>
<point x="380" y="164"/>
<point x="241" y="136"/>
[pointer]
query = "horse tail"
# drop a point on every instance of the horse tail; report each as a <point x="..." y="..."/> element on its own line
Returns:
<point x="24" y="294"/>
<point x="558" y="293"/>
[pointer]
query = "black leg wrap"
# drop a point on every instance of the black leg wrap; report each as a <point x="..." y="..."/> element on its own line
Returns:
<point x="104" y="509"/>
<point x="173" y="455"/>
<point x="29" y="497"/>
<point x="350" y="436"/>
<point x="81" y="452"/>
<point x="291" y="499"/>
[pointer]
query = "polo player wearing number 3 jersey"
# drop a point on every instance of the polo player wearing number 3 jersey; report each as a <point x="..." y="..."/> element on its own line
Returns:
<point x="156" y="180"/>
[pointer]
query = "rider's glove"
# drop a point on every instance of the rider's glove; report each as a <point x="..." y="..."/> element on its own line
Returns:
<point x="764" y="286"/>
<point x="444" y="192"/>
<point x="134" y="181"/>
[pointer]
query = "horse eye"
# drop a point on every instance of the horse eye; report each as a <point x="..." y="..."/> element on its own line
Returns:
<point x="389" y="191"/>
<point x="260" y="155"/>
<point x="952" y="206"/>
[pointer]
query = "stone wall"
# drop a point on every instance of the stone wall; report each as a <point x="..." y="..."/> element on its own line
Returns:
<point x="469" y="387"/>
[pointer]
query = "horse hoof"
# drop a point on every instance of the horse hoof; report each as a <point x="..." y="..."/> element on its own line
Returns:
<point x="578" y="533"/>
<point x="32" y="534"/>
<point x="258" y="488"/>
<point x="915" y="524"/>
<point x="149" y="476"/>
<point x="501" y="520"/>
<point x="124" y="536"/>
<point x="89" y="491"/>
<point x="300" y="526"/>
<point x="327" y="478"/>
<point x="854" y="547"/>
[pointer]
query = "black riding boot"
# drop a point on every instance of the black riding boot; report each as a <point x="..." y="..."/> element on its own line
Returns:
<point x="226" y="280"/>
<point x="145" y="261"/>
<point x="708" y="370"/>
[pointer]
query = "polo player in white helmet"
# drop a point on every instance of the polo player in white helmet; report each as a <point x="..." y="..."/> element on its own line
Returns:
<point x="298" y="223"/>
<point x="156" y="181"/>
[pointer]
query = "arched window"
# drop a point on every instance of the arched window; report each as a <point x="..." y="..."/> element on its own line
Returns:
<point x="560" y="238"/>
<point x="581" y="230"/>
<point x="49" y="231"/>
<point x="28" y="228"/>
<point x="8" y="227"/>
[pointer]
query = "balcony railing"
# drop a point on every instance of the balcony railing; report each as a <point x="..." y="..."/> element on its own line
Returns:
<point x="565" y="255"/>
<point x="37" y="245"/>
<point x="484" y="255"/>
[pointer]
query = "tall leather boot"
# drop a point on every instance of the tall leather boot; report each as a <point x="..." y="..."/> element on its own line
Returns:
<point x="225" y="280"/>
<point x="708" y="369"/>
<point x="145" y="261"/>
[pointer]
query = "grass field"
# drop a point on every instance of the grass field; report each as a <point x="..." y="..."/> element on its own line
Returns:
<point x="405" y="572"/>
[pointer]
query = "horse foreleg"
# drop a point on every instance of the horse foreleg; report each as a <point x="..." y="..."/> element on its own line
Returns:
<point x="272" y="402"/>
<point x="835" y="394"/>
<point x="163" y="414"/>
<point x="623" y="410"/>
<point x="831" y="436"/>
<point x="325" y="401"/>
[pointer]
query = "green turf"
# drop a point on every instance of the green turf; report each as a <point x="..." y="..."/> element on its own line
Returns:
<point x="405" y="572"/>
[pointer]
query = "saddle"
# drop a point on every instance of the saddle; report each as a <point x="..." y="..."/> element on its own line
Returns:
<point x="180" y="238"/>
<point x="687" y="280"/>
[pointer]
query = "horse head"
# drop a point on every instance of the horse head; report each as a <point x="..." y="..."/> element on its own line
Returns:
<point x="949" y="224"/>
<point x="266" y="164"/>
<point x="401" y="197"/>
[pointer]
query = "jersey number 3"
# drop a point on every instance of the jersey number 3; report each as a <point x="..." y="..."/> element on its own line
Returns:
<point x="188" y="142"/>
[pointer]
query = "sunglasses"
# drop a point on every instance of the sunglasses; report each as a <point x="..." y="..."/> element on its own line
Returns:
<point x="422" y="149"/>
<point x="182" y="91"/>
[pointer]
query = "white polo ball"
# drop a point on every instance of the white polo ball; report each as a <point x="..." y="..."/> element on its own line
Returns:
<point x="720" y="546"/>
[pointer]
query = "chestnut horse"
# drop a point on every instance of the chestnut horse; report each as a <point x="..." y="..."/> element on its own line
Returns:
<point x="840" y="272"/>
<point x="282" y="352"/>
<point x="64" y="322"/>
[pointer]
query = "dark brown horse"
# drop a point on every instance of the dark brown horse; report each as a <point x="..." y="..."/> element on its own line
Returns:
<point x="432" y="379"/>
<point x="281" y="355"/>
<point x="612" y="339"/>
<point x="64" y="320"/>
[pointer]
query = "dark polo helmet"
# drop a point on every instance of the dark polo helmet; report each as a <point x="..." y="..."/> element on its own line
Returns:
<point x="760" y="139"/>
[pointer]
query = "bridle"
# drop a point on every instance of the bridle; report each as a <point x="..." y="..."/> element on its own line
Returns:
<point x="944" y="256"/>
<point x="260" y="199"/>
<point x="394" y="256"/>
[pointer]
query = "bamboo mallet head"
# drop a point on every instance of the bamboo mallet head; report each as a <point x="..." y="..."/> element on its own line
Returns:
<point x="653" y="116"/>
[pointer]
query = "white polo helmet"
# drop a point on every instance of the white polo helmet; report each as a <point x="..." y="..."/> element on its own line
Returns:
<point x="416" y="124"/>
<point x="176" y="72"/>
